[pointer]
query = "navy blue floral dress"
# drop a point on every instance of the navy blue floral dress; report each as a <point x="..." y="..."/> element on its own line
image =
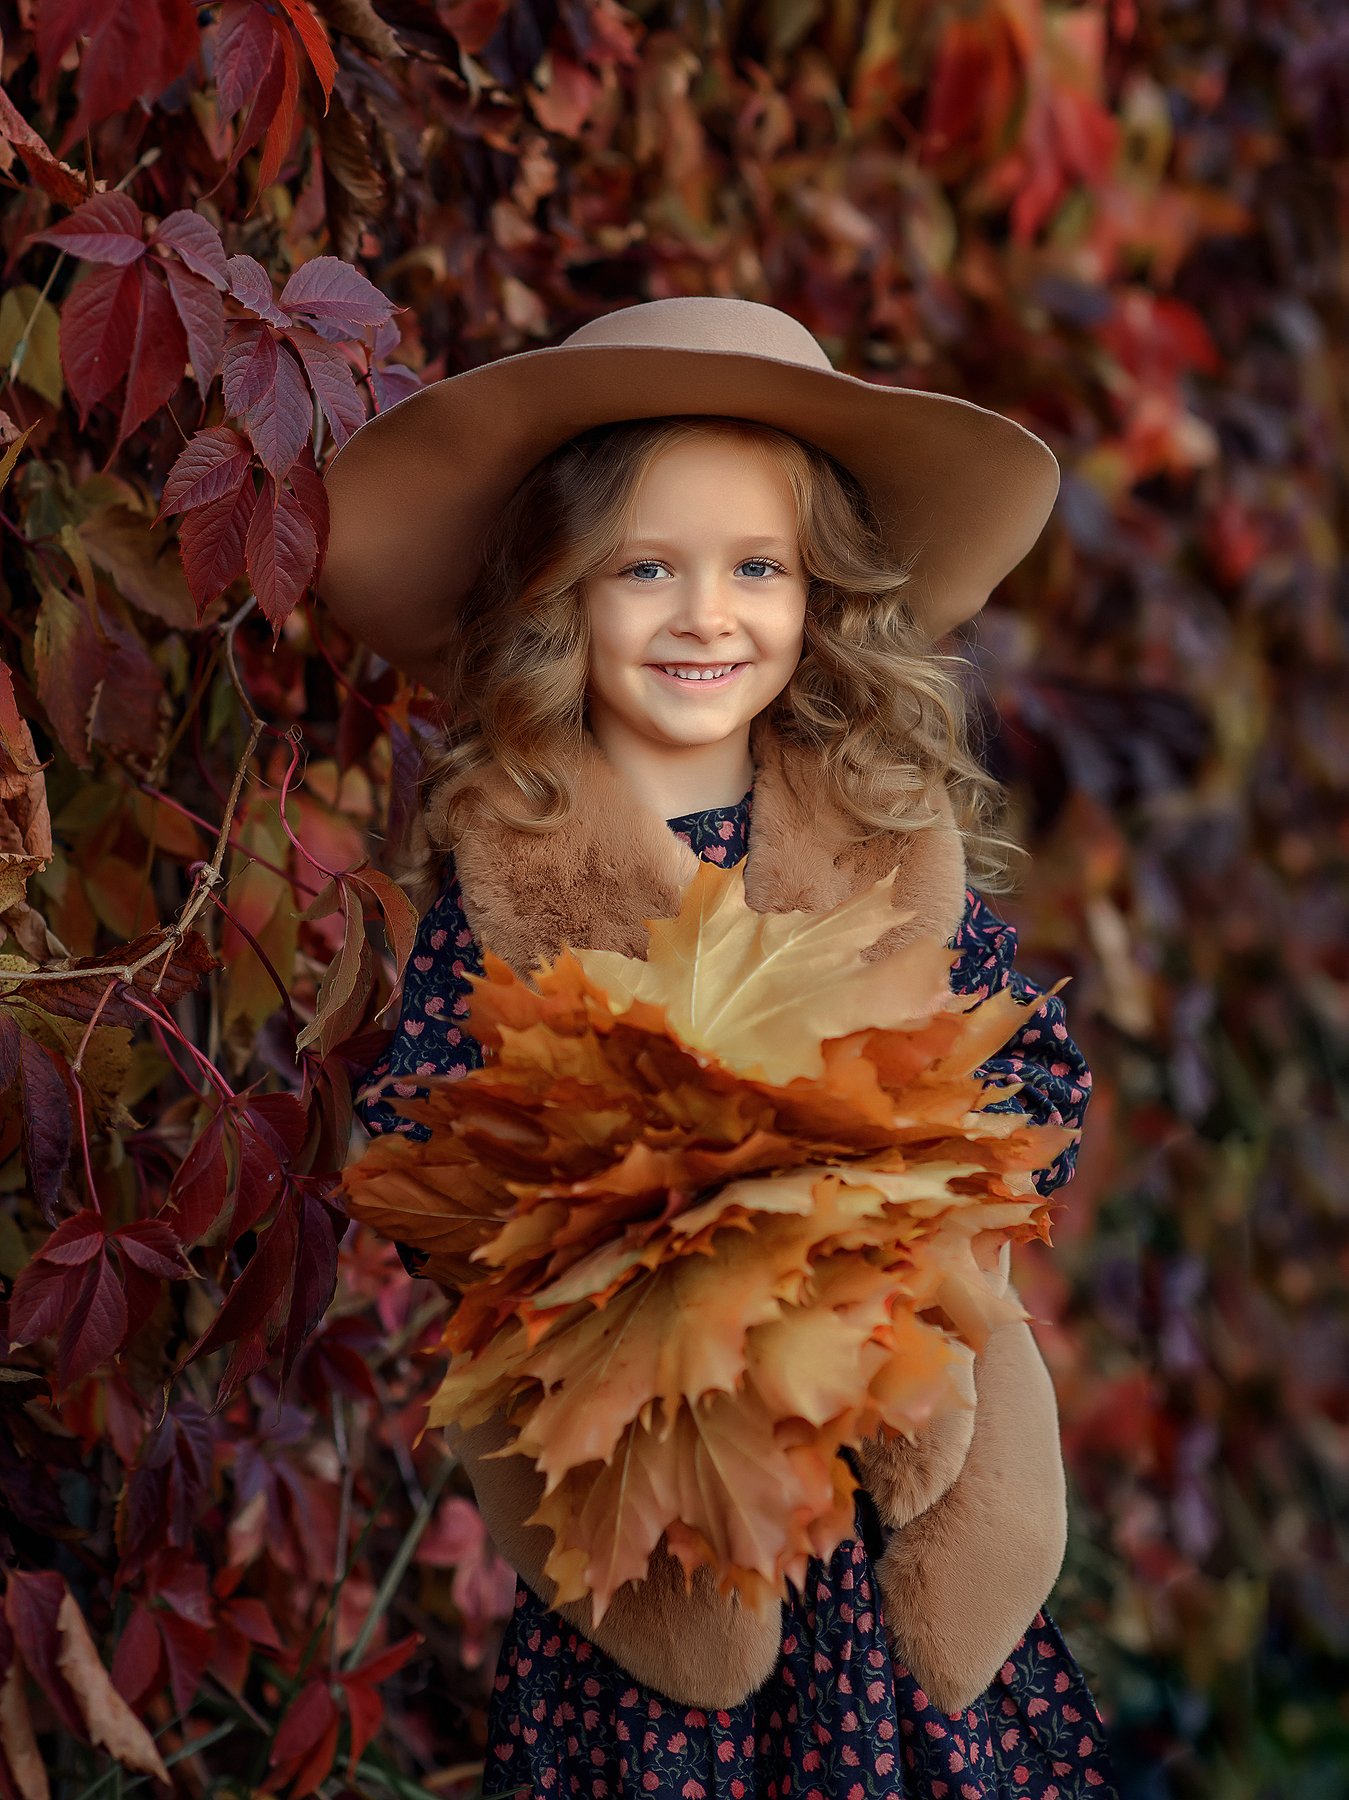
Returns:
<point x="838" y="1719"/>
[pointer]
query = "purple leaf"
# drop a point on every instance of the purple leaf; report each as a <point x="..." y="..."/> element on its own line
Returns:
<point x="244" y="41"/>
<point x="335" y="298"/>
<point x="106" y="229"/>
<point x="197" y="242"/>
<point x="281" y="552"/>
<point x="203" y="316"/>
<point x="211" y="541"/>
<point x="331" y="378"/>
<point x="98" y="329"/>
<point x="248" y="366"/>
<point x="96" y="1325"/>
<point x="280" y="420"/>
<point x="251" y="286"/>
<point x="210" y="465"/>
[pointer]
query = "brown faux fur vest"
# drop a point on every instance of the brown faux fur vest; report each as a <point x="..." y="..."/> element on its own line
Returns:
<point x="595" y="881"/>
<point x="978" y="1507"/>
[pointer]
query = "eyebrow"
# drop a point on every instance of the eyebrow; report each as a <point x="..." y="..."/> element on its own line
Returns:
<point x="751" y="541"/>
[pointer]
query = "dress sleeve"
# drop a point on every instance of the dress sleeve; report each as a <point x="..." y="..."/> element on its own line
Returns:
<point x="1041" y="1054"/>
<point x="430" y="1038"/>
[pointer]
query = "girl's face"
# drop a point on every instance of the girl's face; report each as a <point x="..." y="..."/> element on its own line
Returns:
<point x="696" y="623"/>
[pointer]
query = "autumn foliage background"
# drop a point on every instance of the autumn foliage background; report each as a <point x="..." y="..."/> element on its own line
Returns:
<point x="1120" y="222"/>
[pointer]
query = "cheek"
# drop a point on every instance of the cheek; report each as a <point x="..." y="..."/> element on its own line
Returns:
<point x="615" y="636"/>
<point x="783" y="632"/>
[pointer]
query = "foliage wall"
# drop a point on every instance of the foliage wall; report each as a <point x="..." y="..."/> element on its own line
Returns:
<point x="232" y="230"/>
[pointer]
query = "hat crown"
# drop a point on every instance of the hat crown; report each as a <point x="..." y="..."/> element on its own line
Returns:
<point x="706" y="322"/>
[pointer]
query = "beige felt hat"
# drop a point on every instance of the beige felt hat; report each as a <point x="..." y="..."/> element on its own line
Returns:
<point x="414" y="490"/>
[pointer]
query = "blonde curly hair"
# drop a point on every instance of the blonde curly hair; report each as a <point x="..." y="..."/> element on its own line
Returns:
<point x="886" y="711"/>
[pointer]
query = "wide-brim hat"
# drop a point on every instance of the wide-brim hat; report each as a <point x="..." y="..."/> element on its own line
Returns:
<point x="415" y="490"/>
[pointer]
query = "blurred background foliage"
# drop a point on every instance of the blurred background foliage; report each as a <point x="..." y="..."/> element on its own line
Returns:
<point x="1122" y="222"/>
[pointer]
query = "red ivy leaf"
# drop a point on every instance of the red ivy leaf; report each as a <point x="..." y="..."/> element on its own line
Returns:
<point x="98" y="329"/>
<point x="264" y="1280"/>
<point x="307" y="1741"/>
<point x="393" y="382"/>
<point x="385" y="1662"/>
<point x="200" y="1189"/>
<point x="211" y="465"/>
<point x="335" y="298"/>
<point x="165" y="1490"/>
<point x="97" y="1323"/>
<point x="130" y="52"/>
<point x="188" y="1647"/>
<point x="251" y="286"/>
<point x="211" y="541"/>
<point x="165" y="979"/>
<point x="307" y="486"/>
<point x="137" y="1657"/>
<point x="158" y="355"/>
<point x="281" y="130"/>
<point x="244" y="42"/>
<point x="474" y="22"/>
<point x="315" y="40"/>
<point x="46" y="1123"/>
<point x="106" y="229"/>
<point x="333" y="383"/>
<point x="365" y="1710"/>
<point x="10" y="1033"/>
<point x="75" y="1241"/>
<point x="320" y="1231"/>
<point x="43" y="1296"/>
<point x="281" y="551"/>
<point x="152" y="1247"/>
<point x="202" y="313"/>
<point x="280" y="420"/>
<point x="197" y="243"/>
<point x="249" y="366"/>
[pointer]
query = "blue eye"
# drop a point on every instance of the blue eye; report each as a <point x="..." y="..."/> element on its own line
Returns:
<point x="765" y="563"/>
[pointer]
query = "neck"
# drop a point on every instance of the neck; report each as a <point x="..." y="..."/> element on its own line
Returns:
<point x="675" y="779"/>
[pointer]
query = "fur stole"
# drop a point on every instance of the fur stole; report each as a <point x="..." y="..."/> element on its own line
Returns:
<point x="595" y="881"/>
<point x="977" y="1507"/>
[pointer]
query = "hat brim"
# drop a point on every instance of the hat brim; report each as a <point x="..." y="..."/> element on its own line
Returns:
<point x="413" y="492"/>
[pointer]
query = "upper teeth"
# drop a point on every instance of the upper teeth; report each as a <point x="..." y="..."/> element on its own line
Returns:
<point x="697" y="671"/>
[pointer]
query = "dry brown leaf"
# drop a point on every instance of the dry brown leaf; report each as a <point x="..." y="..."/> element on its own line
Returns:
<point x="110" y="1721"/>
<point x="17" y="1739"/>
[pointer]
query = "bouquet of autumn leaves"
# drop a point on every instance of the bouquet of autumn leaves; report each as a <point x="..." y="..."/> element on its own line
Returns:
<point x="711" y="1217"/>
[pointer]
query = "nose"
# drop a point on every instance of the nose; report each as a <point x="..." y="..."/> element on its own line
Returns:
<point x="704" y="608"/>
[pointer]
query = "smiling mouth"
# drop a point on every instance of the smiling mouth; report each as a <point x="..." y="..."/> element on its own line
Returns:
<point x="698" y="674"/>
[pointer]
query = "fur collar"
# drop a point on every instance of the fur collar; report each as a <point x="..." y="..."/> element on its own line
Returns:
<point x="595" y="881"/>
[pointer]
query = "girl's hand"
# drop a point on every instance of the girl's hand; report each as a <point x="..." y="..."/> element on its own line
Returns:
<point x="905" y="1477"/>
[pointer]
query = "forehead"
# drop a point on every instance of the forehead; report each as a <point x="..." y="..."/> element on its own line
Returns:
<point x="717" y="485"/>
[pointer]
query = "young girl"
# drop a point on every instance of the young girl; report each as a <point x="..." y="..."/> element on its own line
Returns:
<point x="682" y="587"/>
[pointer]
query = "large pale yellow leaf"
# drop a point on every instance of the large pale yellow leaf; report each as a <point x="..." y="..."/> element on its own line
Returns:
<point x="742" y="985"/>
